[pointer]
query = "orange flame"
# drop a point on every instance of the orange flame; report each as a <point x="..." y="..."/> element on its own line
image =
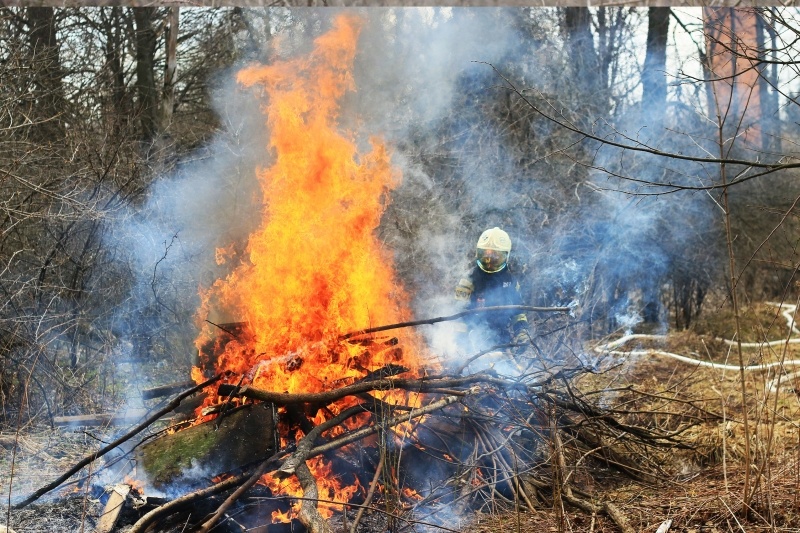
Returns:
<point x="314" y="267"/>
<point x="411" y="494"/>
<point x="135" y="485"/>
<point x="332" y="493"/>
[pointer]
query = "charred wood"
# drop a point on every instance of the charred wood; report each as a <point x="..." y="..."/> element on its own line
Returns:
<point x="166" y="390"/>
<point x="415" y="385"/>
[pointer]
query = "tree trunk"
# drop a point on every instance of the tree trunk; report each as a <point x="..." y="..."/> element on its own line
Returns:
<point x="580" y="41"/>
<point x="731" y="41"/>
<point x="770" y="120"/>
<point x="654" y="79"/>
<point x="48" y="74"/>
<point x="145" y="69"/>
<point x="170" y="72"/>
<point x="117" y="110"/>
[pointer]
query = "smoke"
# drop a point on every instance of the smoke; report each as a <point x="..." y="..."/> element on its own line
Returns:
<point x="189" y="230"/>
<point x="412" y="61"/>
<point x="424" y="83"/>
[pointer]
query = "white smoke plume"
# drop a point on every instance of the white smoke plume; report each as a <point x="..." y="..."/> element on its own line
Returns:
<point x="415" y="69"/>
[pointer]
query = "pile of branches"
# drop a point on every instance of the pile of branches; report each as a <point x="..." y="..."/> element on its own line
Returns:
<point x="508" y="440"/>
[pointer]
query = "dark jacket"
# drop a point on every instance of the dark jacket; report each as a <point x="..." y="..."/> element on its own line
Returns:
<point x="481" y="289"/>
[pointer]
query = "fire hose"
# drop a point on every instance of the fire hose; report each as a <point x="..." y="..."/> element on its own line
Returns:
<point x="610" y="348"/>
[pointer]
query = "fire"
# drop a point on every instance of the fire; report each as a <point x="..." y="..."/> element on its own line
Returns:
<point x="411" y="494"/>
<point x="134" y="484"/>
<point x="332" y="493"/>
<point x="282" y="517"/>
<point x="314" y="268"/>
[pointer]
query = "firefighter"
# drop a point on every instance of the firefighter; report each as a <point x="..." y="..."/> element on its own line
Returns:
<point x="489" y="283"/>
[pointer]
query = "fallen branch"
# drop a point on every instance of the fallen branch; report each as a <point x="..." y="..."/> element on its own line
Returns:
<point x="609" y="508"/>
<point x="309" y="515"/>
<point x="416" y="385"/>
<point x="138" y="429"/>
<point x="618" y="517"/>
<point x="455" y="317"/>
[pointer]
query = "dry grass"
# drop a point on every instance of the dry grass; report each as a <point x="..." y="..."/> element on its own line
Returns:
<point x="32" y="458"/>
<point x="700" y="488"/>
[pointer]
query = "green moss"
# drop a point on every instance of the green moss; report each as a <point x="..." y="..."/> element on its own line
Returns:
<point x="245" y="435"/>
<point x="164" y="460"/>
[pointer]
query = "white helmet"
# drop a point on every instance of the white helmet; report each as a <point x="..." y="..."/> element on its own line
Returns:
<point x="493" y="249"/>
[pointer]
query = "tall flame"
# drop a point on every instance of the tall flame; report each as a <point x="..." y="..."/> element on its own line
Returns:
<point x="314" y="267"/>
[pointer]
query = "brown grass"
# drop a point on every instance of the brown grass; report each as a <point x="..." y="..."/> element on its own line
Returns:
<point x="701" y="488"/>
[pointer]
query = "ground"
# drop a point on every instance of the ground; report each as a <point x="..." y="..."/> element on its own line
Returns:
<point x="700" y="489"/>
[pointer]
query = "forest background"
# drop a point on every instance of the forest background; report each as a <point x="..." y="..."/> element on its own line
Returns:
<point x="643" y="160"/>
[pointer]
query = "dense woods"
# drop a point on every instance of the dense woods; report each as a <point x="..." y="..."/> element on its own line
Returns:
<point x="644" y="161"/>
<point x="103" y="106"/>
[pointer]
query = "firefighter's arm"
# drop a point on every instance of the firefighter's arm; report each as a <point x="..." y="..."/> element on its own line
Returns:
<point x="519" y="332"/>
<point x="464" y="290"/>
<point x="463" y="293"/>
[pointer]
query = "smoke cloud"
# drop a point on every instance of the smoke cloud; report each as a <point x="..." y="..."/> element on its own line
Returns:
<point x="425" y="83"/>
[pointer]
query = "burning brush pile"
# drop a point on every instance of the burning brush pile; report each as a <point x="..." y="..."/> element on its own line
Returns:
<point x="321" y="400"/>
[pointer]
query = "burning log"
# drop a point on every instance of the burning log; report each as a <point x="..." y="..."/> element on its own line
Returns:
<point x="309" y="516"/>
<point x="305" y="451"/>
